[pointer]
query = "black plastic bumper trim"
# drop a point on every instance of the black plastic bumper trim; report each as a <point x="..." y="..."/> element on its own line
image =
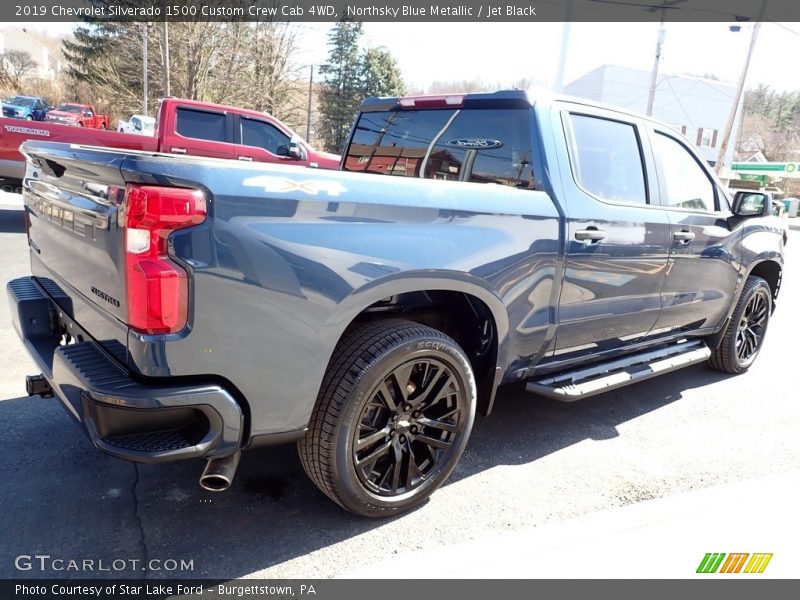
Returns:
<point x="87" y="380"/>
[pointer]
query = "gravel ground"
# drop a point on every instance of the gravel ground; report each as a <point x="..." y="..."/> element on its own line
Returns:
<point x="533" y="462"/>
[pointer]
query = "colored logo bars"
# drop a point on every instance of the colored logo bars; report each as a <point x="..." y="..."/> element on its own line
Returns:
<point x="733" y="563"/>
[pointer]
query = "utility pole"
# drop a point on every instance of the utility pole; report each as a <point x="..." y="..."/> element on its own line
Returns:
<point x="144" y="68"/>
<point x="308" y="111"/>
<point x="651" y="97"/>
<point x="165" y="34"/>
<point x="558" y="85"/>
<point x="726" y="136"/>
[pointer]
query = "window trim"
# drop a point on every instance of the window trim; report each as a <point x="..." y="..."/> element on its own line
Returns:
<point x="569" y="136"/>
<point x="655" y="130"/>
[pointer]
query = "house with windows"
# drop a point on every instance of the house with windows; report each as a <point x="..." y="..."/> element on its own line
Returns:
<point x="695" y="106"/>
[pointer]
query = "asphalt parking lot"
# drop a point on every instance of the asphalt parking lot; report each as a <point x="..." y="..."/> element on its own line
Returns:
<point x="532" y="464"/>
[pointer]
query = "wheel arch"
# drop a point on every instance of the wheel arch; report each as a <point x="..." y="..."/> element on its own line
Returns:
<point x="771" y="271"/>
<point x="435" y="299"/>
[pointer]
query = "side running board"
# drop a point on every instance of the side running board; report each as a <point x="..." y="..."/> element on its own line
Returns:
<point x="604" y="377"/>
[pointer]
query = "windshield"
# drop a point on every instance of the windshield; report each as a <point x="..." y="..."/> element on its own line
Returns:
<point x="20" y="101"/>
<point x="70" y="108"/>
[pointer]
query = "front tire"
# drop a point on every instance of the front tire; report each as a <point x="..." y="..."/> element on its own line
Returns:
<point x="394" y="413"/>
<point x="746" y="329"/>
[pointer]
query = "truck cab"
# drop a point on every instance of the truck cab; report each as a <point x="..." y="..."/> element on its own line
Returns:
<point x="198" y="128"/>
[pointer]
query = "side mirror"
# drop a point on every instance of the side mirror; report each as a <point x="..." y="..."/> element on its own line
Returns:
<point x="752" y="204"/>
<point x="296" y="150"/>
<point x="137" y="126"/>
<point x="87" y="113"/>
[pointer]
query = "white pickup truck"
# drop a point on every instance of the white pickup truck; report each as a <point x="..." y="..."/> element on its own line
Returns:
<point x="139" y="124"/>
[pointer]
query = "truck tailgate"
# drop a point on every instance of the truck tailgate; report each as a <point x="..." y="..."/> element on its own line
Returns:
<point x="75" y="239"/>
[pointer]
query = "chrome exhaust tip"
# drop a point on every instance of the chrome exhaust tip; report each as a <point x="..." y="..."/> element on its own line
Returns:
<point x="219" y="472"/>
<point x="37" y="385"/>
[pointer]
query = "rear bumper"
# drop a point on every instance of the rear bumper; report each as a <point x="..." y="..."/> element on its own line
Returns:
<point x="123" y="417"/>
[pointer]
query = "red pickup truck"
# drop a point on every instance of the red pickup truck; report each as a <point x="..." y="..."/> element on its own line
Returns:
<point x="183" y="127"/>
<point x="81" y="115"/>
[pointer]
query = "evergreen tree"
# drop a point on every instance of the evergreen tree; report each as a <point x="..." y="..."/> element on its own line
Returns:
<point x="349" y="76"/>
<point x="341" y="92"/>
<point x="380" y="75"/>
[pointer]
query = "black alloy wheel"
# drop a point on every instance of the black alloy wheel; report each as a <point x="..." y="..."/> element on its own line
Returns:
<point x="392" y="418"/>
<point x="746" y="329"/>
<point x="407" y="427"/>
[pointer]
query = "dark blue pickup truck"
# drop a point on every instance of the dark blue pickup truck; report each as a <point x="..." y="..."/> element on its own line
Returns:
<point x="184" y="307"/>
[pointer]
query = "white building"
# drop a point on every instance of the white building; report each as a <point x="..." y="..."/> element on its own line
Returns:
<point x="47" y="65"/>
<point x="695" y="106"/>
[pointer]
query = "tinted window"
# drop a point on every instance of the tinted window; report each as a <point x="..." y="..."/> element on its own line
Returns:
<point x="262" y="135"/>
<point x="202" y="125"/>
<point x="607" y="160"/>
<point x="683" y="180"/>
<point x="479" y="145"/>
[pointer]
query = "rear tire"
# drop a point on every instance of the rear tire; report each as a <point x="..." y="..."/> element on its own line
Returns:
<point x="746" y="329"/>
<point x="394" y="413"/>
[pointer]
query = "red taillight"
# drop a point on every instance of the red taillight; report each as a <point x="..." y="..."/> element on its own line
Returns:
<point x="157" y="287"/>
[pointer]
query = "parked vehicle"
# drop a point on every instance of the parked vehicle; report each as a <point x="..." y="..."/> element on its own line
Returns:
<point x="139" y="124"/>
<point x="184" y="127"/>
<point x="186" y="307"/>
<point x="79" y="115"/>
<point x="30" y="108"/>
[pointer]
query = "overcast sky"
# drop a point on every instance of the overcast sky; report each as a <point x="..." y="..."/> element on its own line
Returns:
<point x="504" y="53"/>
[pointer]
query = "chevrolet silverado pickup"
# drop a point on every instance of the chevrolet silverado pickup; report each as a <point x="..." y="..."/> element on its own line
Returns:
<point x="186" y="307"/>
<point x="186" y="127"/>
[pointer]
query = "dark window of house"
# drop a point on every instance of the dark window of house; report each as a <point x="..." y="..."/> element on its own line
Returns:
<point x="202" y="125"/>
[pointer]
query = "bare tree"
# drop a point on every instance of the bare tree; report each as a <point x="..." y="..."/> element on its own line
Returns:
<point x="16" y="65"/>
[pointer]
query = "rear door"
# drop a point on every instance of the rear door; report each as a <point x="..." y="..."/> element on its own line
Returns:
<point x="618" y="237"/>
<point x="704" y="261"/>
<point x="200" y="132"/>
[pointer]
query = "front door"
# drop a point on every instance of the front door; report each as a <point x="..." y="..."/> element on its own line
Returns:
<point x="618" y="240"/>
<point x="704" y="262"/>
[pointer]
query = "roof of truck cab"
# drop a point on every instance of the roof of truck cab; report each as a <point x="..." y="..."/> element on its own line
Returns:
<point x="500" y="99"/>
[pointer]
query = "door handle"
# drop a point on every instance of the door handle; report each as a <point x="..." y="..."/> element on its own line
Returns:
<point x="591" y="235"/>
<point x="683" y="236"/>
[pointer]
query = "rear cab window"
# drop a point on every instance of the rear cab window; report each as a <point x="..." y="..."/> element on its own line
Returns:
<point x="480" y="145"/>
<point x="202" y="124"/>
